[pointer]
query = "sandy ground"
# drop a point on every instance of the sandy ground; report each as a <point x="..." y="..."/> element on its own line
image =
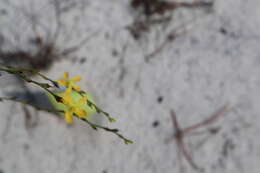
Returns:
<point x="214" y="62"/>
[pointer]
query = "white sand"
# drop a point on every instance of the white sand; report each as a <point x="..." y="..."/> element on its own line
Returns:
<point x="196" y="74"/>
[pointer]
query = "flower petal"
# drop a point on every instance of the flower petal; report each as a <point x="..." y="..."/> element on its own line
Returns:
<point x="66" y="75"/>
<point x="69" y="117"/>
<point x="82" y="101"/>
<point x="66" y="97"/>
<point x="61" y="82"/>
<point x="67" y="92"/>
<point x="76" y="87"/>
<point x="81" y="113"/>
<point x="76" y="79"/>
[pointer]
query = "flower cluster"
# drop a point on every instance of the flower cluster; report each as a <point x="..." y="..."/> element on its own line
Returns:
<point x="73" y="106"/>
<point x="72" y="102"/>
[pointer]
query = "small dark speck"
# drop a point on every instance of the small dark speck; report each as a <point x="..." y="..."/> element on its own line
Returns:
<point x="114" y="52"/>
<point x="156" y="123"/>
<point x="171" y="37"/>
<point x="160" y="99"/>
<point x="214" y="130"/>
<point x="74" y="60"/>
<point x="107" y="36"/>
<point x="104" y="171"/>
<point x="2" y="39"/>
<point x="223" y="31"/>
<point x="194" y="41"/>
<point x="82" y="60"/>
<point x="3" y="12"/>
<point x="227" y="147"/>
<point x="26" y="147"/>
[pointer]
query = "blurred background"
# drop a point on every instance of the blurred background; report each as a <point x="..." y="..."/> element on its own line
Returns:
<point x="141" y="60"/>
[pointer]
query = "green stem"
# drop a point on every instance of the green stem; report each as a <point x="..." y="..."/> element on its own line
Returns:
<point x="94" y="126"/>
<point x="115" y="131"/>
<point x="21" y="72"/>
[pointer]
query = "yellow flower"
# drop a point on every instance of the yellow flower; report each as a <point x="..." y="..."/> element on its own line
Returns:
<point x="73" y="106"/>
<point x="69" y="82"/>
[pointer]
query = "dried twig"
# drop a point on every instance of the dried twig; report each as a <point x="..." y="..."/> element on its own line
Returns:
<point x="181" y="133"/>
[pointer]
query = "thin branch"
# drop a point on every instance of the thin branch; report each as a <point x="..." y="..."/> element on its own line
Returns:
<point x="186" y="154"/>
<point x="221" y="112"/>
<point x="179" y="133"/>
<point x="115" y="131"/>
<point x="79" y="45"/>
<point x="21" y="73"/>
<point x="94" y="126"/>
<point x="174" y="120"/>
<point x="13" y="99"/>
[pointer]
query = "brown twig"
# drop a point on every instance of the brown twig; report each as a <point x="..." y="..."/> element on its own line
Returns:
<point x="152" y="7"/>
<point x="181" y="133"/>
<point x="219" y="113"/>
<point x="46" y="50"/>
<point x="157" y="12"/>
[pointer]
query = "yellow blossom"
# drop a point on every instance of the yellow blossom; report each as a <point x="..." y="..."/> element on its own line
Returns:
<point x="73" y="106"/>
<point x="65" y="81"/>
